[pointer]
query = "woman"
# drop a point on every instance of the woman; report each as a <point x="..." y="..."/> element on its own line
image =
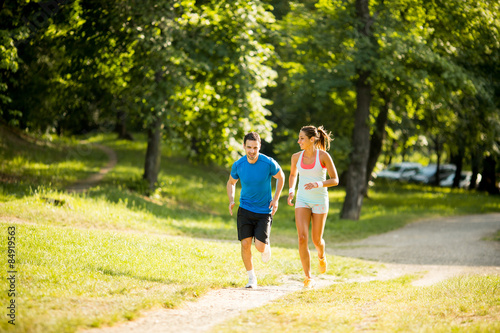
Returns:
<point x="312" y="164"/>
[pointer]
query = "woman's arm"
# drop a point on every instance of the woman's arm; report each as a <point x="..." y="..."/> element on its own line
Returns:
<point x="292" y="179"/>
<point x="327" y="161"/>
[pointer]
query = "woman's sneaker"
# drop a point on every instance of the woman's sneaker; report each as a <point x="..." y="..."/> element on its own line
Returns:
<point x="322" y="265"/>
<point x="309" y="283"/>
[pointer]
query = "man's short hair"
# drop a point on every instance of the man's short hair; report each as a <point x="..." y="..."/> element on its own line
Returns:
<point x="253" y="136"/>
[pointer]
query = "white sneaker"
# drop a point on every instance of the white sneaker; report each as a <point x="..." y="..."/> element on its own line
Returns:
<point x="266" y="255"/>
<point x="252" y="282"/>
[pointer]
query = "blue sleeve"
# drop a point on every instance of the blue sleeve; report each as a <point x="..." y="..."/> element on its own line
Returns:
<point x="275" y="167"/>
<point x="234" y="172"/>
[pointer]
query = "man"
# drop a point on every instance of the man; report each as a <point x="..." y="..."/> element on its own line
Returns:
<point x="257" y="206"/>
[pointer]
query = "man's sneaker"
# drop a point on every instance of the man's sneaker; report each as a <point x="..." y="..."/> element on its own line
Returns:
<point x="252" y="282"/>
<point x="308" y="283"/>
<point x="322" y="265"/>
<point x="266" y="255"/>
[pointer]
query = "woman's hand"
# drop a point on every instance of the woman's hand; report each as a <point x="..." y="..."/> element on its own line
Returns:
<point x="310" y="186"/>
<point x="290" y="198"/>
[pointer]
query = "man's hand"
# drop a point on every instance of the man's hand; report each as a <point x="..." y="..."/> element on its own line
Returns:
<point x="274" y="205"/>
<point x="231" y="205"/>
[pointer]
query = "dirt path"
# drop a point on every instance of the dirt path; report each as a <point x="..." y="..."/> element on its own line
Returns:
<point x="438" y="249"/>
<point x="94" y="179"/>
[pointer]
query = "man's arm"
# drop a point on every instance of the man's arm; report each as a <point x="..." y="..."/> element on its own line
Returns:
<point x="280" y="176"/>
<point x="230" y="187"/>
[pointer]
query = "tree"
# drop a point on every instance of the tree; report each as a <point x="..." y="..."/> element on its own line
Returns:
<point x="418" y="70"/>
<point x="464" y="41"/>
<point x="199" y="72"/>
<point x="356" y="174"/>
<point x="33" y="56"/>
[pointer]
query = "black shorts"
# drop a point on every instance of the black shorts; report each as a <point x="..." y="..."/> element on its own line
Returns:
<point x="252" y="224"/>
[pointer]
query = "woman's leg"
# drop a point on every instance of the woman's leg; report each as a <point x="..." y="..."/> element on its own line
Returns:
<point x="317" y="229"/>
<point x="302" y="221"/>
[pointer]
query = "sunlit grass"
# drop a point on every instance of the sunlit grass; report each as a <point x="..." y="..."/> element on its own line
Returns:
<point x="461" y="304"/>
<point x="72" y="277"/>
<point x="25" y="164"/>
<point x="119" y="248"/>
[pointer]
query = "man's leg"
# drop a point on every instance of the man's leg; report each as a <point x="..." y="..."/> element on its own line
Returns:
<point x="260" y="246"/>
<point x="262" y="236"/>
<point x="246" y="253"/>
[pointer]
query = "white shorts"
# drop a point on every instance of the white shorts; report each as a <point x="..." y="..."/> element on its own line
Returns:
<point x="314" y="207"/>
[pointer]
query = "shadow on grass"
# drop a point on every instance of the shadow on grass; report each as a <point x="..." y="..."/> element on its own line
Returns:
<point x="114" y="272"/>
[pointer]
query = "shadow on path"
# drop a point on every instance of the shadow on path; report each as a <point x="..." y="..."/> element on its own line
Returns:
<point x="94" y="179"/>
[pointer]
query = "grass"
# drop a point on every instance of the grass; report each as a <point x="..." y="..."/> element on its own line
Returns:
<point x="112" y="275"/>
<point x="105" y="255"/>
<point x="25" y="161"/>
<point x="461" y="304"/>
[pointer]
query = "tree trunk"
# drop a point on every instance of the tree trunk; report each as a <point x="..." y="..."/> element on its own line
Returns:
<point x="458" y="161"/>
<point x="488" y="181"/>
<point x="438" y="163"/>
<point x="475" y="162"/>
<point x="356" y="174"/>
<point x="153" y="156"/>
<point x="376" y="140"/>
<point x="121" y="126"/>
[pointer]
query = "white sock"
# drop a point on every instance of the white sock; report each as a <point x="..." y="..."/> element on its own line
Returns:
<point x="251" y="274"/>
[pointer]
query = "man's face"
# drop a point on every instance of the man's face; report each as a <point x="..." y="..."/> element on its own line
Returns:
<point x="252" y="149"/>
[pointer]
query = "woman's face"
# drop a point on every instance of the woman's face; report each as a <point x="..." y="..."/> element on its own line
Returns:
<point x="304" y="142"/>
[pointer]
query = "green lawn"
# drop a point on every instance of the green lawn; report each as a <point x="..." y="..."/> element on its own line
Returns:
<point x="102" y="256"/>
<point x="461" y="304"/>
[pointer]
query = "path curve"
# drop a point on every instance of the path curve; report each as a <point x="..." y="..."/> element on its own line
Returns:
<point x="459" y="240"/>
<point x="438" y="248"/>
<point x="94" y="179"/>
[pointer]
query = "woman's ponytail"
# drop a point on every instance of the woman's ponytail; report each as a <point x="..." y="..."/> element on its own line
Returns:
<point x="324" y="139"/>
<point x="321" y="137"/>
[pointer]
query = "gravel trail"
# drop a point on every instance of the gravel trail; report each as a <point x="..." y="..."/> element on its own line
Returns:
<point x="438" y="249"/>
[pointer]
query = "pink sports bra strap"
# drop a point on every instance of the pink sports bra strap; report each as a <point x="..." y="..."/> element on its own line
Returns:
<point x="309" y="166"/>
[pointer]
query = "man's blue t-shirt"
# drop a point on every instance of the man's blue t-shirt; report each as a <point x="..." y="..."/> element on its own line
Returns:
<point x="256" y="192"/>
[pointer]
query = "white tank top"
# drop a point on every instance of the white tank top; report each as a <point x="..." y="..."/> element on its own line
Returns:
<point x="309" y="174"/>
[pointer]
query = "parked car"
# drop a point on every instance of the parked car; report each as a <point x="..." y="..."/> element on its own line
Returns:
<point x="399" y="171"/>
<point x="465" y="178"/>
<point x="427" y="175"/>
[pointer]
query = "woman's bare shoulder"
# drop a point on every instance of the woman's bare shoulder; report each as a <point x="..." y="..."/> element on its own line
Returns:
<point x="323" y="153"/>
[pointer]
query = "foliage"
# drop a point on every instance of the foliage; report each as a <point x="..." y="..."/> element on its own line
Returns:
<point x="199" y="66"/>
<point x="214" y="70"/>
<point x="223" y="100"/>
